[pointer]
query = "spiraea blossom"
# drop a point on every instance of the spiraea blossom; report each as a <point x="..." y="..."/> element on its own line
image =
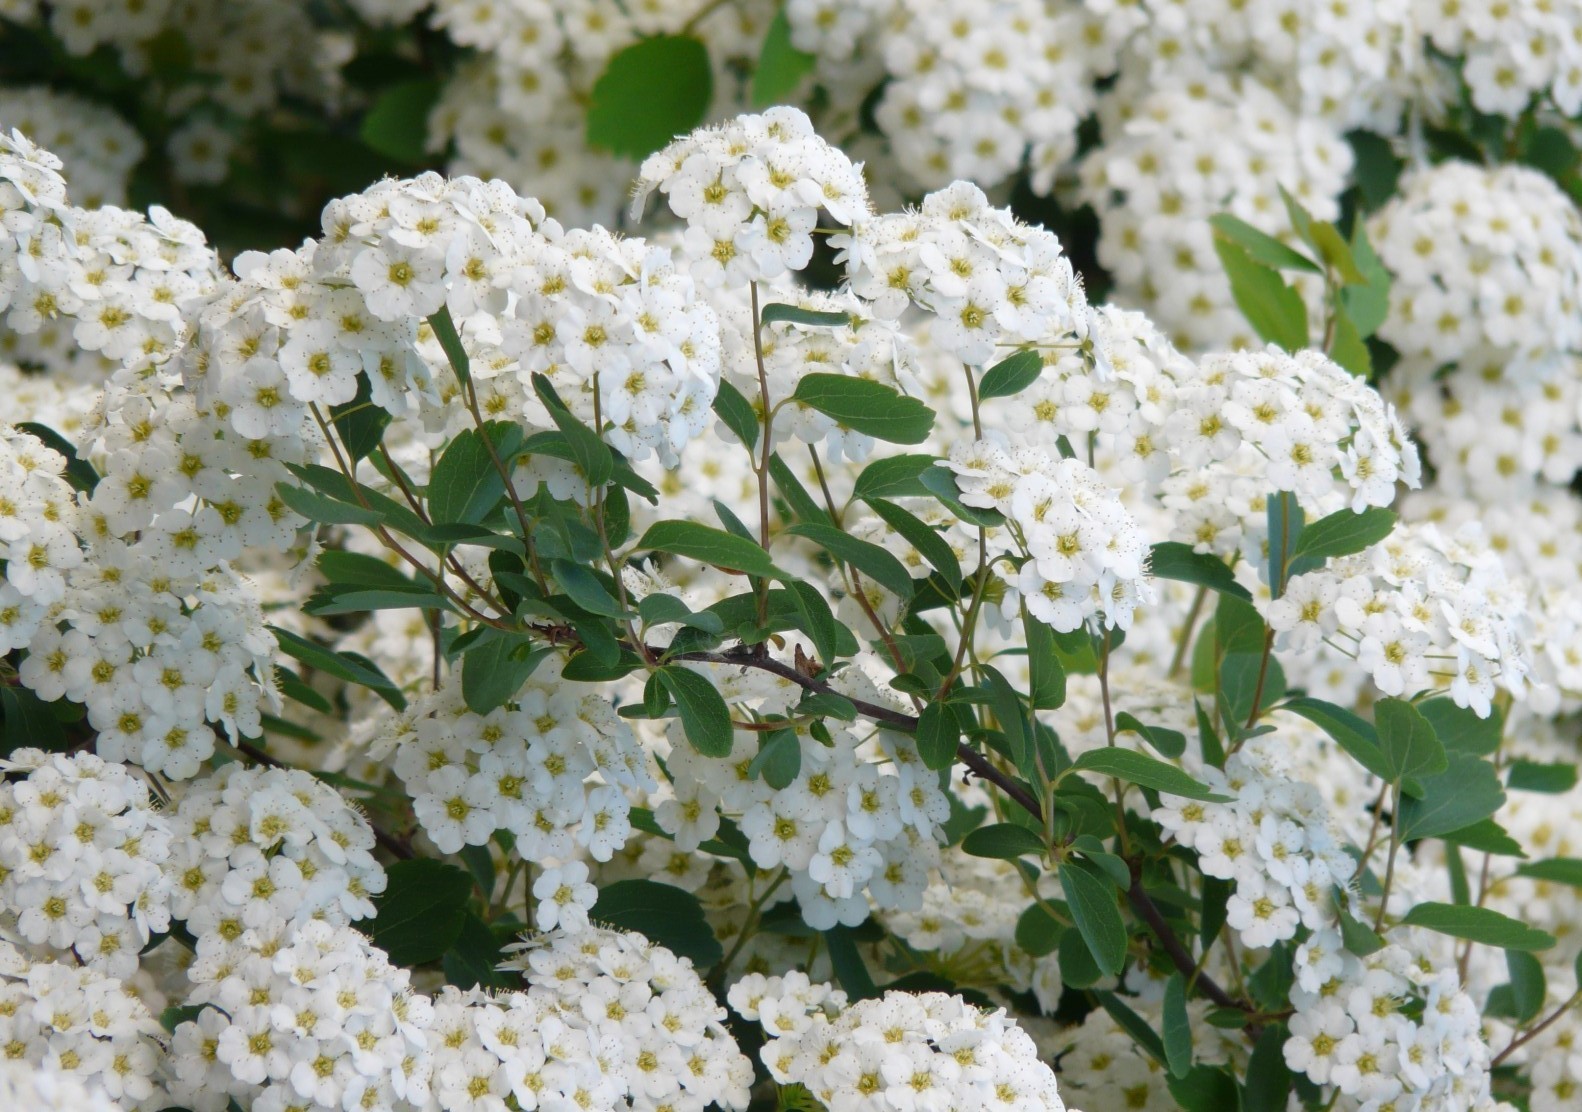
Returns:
<point x="947" y="1052"/>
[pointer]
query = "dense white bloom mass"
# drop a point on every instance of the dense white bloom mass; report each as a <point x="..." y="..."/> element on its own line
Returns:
<point x="800" y="566"/>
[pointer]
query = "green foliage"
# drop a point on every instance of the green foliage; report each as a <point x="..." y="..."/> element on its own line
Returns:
<point x="1144" y="771"/>
<point x="396" y="125"/>
<point x="1090" y="893"/>
<point x="1274" y="309"/>
<point x="704" y="717"/>
<point x="422" y="910"/>
<point x="781" y="66"/>
<point x="870" y="408"/>
<point x="631" y="114"/>
<point x="1011" y="375"/>
<point x="665" y="914"/>
<point x="1478" y="924"/>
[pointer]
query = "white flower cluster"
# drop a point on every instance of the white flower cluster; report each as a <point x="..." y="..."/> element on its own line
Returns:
<point x="524" y="767"/>
<point x="1257" y="422"/>
<point x="968" y="919"/>
<point x="900" y="1050"/>
<point x="1352" y="1028"/>
<point x="42" y="1089"/>
<point x="1346" y="64"/>
<point x="83" y="854"/>
<point x="750" y="192"/>
<point x="962" y="97"/>
<point x="1165" y="167"/>
<point x="1486" y="266"/>
<point x="310" y="1016"/>
<point x="614" y="1021"/>
<point x="990" y="280"/>
<point x="258" y="847"/>
<point x="1514" y="52"/>
<point x="83" y="1032"/>
<point x="1083" y="554"/>
<point x="1419" y="610"/>
<point x="97" y="147"/>
<point x="1274" y="842"/>
<point x="38" y="512"/>
<point x="853" y="819"/>
<point x="517" y="109"/>
<point x="119" y="280"/>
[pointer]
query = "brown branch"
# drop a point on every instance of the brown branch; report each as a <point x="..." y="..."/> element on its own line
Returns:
<point x="1176" y="950"/>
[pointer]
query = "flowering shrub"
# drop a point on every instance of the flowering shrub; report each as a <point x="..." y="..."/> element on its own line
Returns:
<point x="800" y="556"/>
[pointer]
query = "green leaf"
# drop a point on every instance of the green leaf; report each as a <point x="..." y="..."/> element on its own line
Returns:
<point x="781" y="66"/>
<point x="818" y="620"/>
<point x="494" y="668"/>
<point x="1352" y="733"/>
<point x="779" y="759"/>
<point x="466" y="485"/>
<point x="666" y="915"/>
<point x="1478" y="924"/>
<point x="851" y="972"/>
<point x="421" y="911"/>
<point x="650" y="92"/>
<point x="1367" y="305"/>
<point x="876" y="563"/>
<point x="1091" y="897"/>
<point x="1134" y="1025"/>
<point x="922" y="537"/>
<point x="1527" y="984"/>
<point x="79" y="472"/>
<point x="1460" y="729"/>
<point x="1145" y="771"/>
<point x="941" y="483"/>
<point x="1285" y="520"/>
<point x="1376" y="171"/>
<point x="397" y="124"/>
<point x="1011" y="375"/>
<point x="343" y="666"/>
<point x="937" y="735"/>
<point x="1077" y="967"/>
<point x="1343" y="533"/>
<point x="1487" y="836"/>
<point x="1046" y="677"/>
<point x="870" y="408"/>
<point x="29" y="722"/>
<point x="360" y="423"/>
<point x="1176" y="1027"/>
<point x="894" y="477"/>
<point x="738" y="414"/>
<point x="471" y="960"/>
<point x="1206" y="1089"/>
<point x="708" y="545"/>
<point x="662" y="609"/>
<point x="1274" y="309"/>
<point x="585" y="589"/>
<point x="1336" y="252"/>
<point x="450" y="342"/>
<point x="1347" y="348"/>
<point x="1355" y="935"/>
<point x="1557" y="870"/>
<point x="1174" y="560"/>
<point x="591" y="454"/>
<point x="704" y="716"/>
<point x="1169" y="743"/>
<point x="1407" y="741"/>
<point x="1466" y="792"/>
<point x="1003" y="840"/>
<point x="1531" y="776"/>
<point x="779" y="313"/>
<point x="1037" y="932"/>
<point x="1261" y="247"/>
<point x="1267" y="1086"/>
<point x="324" y="509"/>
